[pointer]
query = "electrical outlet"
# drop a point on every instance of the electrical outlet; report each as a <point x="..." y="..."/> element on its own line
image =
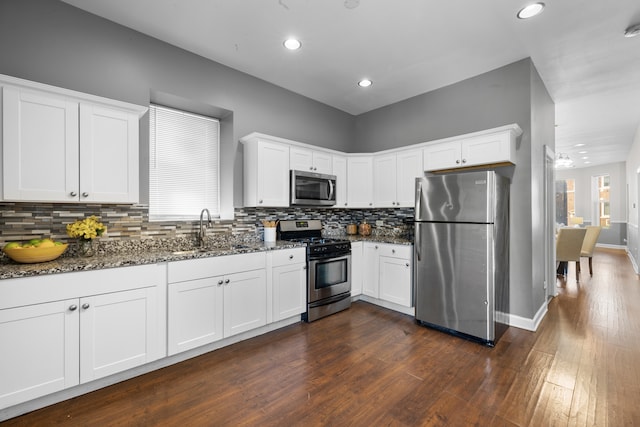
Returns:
<point x="379" y="222"/>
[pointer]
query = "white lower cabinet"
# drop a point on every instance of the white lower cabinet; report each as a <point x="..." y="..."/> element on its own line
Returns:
<point x="214" y="298"/>
<point x="289" y="283"/>
<point x="48" y="345"/>
<point x="387" y="272"/>
<point x="357" y="268"/>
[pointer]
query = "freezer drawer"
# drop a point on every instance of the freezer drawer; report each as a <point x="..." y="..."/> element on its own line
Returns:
<point x="454" y="280"/>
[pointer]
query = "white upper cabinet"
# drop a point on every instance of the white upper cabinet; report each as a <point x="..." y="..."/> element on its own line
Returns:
<point x="65" y="146"/>
<point x="266" y="172"/>
<point x="360" y="182"/>
<point x="304" y="159"/>
<point x="491" y="147"/>
<point x="394" y="177"/>
<point x="340" y="171"/>
<point x="108" y="155"/>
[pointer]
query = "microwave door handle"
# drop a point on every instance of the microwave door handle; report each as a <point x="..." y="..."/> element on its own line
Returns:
<point x="330" y="189"/>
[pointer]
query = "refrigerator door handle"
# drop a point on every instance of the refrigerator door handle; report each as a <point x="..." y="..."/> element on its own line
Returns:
<point x="417" y="217"/>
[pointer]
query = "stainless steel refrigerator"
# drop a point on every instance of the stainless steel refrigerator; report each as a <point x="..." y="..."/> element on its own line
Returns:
<point x="461" y="249"/>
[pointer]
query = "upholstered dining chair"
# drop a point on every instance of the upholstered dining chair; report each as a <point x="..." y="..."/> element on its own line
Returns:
<point x="569" y="246"/>
<point x="589" y="243"/>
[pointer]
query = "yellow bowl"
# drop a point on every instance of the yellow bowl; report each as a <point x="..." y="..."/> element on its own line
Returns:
<point x="33" y="255"/>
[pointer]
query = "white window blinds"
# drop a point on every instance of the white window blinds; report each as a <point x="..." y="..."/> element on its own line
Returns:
<point x="183" y="164"/>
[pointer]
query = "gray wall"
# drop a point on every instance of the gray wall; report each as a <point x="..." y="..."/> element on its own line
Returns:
<point x="51" y="42"/>
<point x="510" y="94"/>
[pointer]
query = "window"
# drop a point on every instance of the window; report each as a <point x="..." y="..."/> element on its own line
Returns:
<point x="603" y="208"/>
<point x="183" y="164"/>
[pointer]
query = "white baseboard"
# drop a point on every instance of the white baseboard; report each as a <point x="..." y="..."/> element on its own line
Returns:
<point x="633" y="262"/>
<point x="609" y="246"/>
<point x="528" y="324"/>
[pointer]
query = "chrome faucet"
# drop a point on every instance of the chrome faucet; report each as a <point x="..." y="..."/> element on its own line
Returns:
<point x="202" y="234"/>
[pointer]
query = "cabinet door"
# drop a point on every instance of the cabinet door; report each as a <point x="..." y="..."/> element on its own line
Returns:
<point x="359" y="182"/>
<point x="340" y="171"/>
<point x="445" y="155"/>
<point x="108" y="155"/>
<point x="384" y="180"/>
<point x="289" y="290"/>
<point x="40" y="147"/>
<point x="40" y="352"/>
<point x="357" y="268"/>
<point x="273" y="174"/>
<point x="300" y="159"/>
<point x="117" y="332"/>
<point x="195" y="315"/>
<point x="370" y="275"/>
<point x="409" y="167"/>
<point x="487" y="149"/>
<point x="322" y="162"/>
<point x="245" y="301"/>
<point x="395" y="280"/>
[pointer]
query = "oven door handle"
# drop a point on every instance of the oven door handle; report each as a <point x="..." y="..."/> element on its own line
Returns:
<point x="330" y="257"/>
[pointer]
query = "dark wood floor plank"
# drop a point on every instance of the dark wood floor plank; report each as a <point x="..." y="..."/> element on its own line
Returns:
<point x="370" y="366"/>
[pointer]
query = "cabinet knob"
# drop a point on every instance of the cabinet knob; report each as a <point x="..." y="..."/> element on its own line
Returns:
<point x="85" y="305"/>
<point x="73" y="307"/>
<point x="73" y="194"/>
<point x="304" y="267"/>
<point x="457" y="162"/>
<point x="227" y="281"/>
<point x="370" y="204"/>
<point x="376" y="247"/>
<point x="393" y="251"/>
<point x="220" y="282"/>
<point x="85" y="194"/>
<point x="315" y="169"/>
<point x="310" y="168"/>
<point x="464" y="160"/>
<point x="407" y="264"/>
<point x="345" y="203"/>
<point x="290" y="256"/>
<point x="260" y="201"/>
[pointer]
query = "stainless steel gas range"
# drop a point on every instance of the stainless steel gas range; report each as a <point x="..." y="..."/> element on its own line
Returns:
<point x="328" y="267"/>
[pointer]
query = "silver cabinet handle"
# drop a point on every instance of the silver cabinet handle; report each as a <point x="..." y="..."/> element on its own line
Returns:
<point x="73" y="194"/>
<point x="220" y="282"/>
<point x="73" y="307"/>
<point x="458" y="162"/>
<point x="227" y="281"/>
<point x="290" y="256"/>
<point x="85" y="305"/>
<point x="464" y="160"/>
<point x="85" y="194"/>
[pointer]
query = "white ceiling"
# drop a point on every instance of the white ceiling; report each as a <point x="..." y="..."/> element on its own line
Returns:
<point x="409" y="47"/>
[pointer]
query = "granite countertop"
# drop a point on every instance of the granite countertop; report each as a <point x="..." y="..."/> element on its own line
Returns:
<point x="10" y="269"/>
<point x="139" y="256"/>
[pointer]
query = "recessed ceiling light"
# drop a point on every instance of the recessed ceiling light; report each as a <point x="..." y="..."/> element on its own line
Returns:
<point x="531" y="10"/>
<point x="579" y="145"/>
<point x="292" y="44"/>
<point x="587" y="162"/>
<point x="365" y="83"/>
<point x="585" y="158"/>
<point x="582" y="152"/>
<point x="632" y="31"/>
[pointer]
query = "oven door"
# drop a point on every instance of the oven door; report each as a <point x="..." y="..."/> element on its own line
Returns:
<point x="329" y="276"/>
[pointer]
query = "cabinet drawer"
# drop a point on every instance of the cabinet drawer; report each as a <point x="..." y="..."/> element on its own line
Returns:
<point x="398" y="251"/>
<point x="192" y="269"/>
<point x="288" y="256"/>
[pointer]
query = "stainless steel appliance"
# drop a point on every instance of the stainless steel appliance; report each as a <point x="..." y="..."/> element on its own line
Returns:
<point x="328" y="268"/>
<point x="312" y="189"/>
<point x="462" y="253"/>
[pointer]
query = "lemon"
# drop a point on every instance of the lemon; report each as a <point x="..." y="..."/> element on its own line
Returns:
<point x="10" y="245"/>
<point x="34" y="242"/>
<point x="46" y="244"/>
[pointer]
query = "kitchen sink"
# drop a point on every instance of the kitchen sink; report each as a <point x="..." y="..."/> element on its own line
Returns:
<point x="210" y="249"/>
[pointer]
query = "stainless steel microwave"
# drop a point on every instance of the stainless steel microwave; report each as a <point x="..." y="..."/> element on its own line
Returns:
<point x="312" y="189"/>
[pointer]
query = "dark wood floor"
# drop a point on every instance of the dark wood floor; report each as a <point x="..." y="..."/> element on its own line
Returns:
<point x="369" y="366"/>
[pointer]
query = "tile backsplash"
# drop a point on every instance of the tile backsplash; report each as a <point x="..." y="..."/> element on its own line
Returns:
<point x="24" y="221"/>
